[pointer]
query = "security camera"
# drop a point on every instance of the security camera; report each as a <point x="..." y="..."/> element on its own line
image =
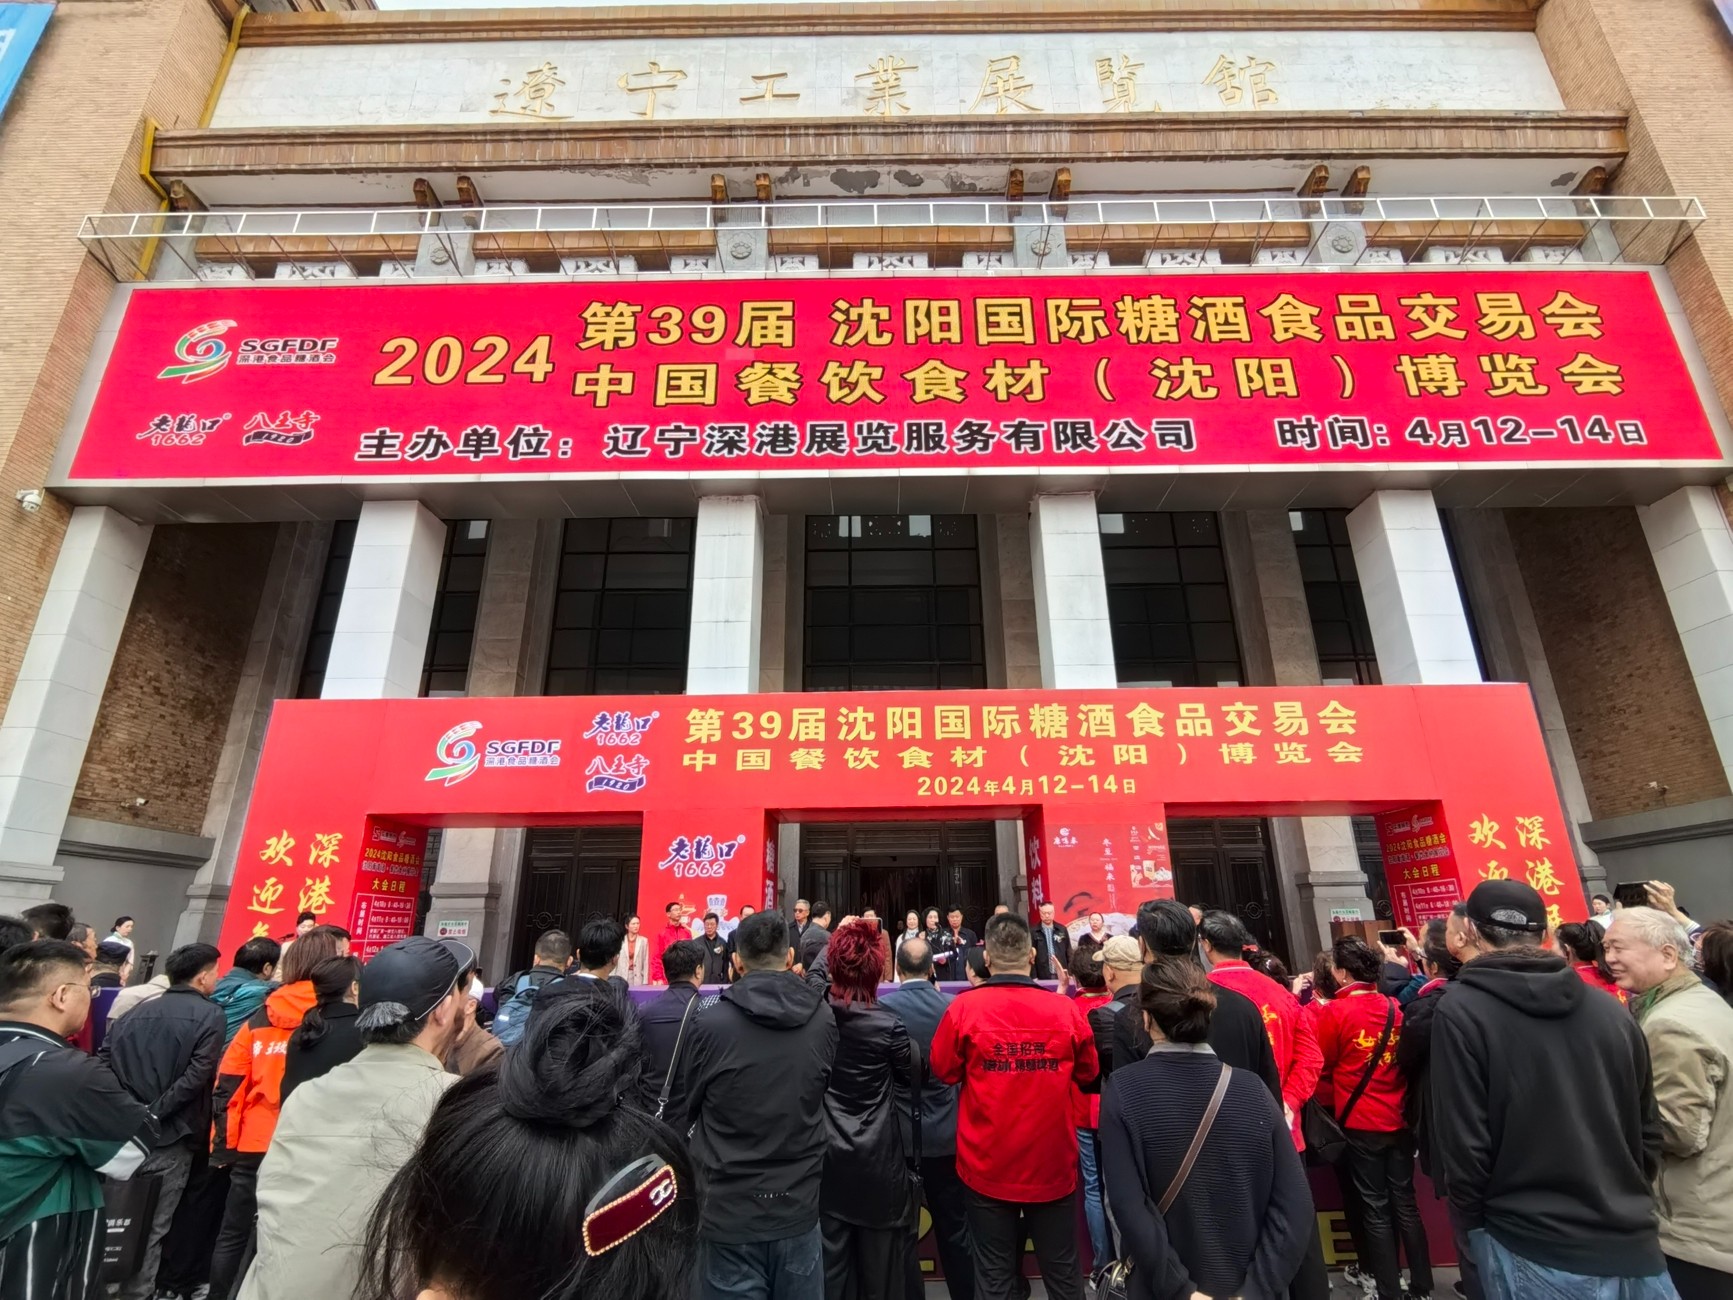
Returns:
<point x="30" y="499"/>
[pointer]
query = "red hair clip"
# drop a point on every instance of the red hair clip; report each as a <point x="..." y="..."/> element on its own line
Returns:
<point x="628" y="1203"/>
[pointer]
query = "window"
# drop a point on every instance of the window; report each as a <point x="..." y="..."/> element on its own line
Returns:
<point x="1167" y="597"/>
<point x="893" y="602"/>
<point x="318" y="654"/>
<point x="622" y="608"/>
<point x="1339" y="623"/>
<point x="445" y="671"/>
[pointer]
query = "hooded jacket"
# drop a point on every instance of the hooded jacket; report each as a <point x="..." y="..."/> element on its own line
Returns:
<point x="1529" y="1062"/>
<point x="866" y="1177"/>
<point x="1690" y="1035"/>
<point x="759" y="1068"/>
<point x="240" y="993"/>
<point x="250" y="1079"/>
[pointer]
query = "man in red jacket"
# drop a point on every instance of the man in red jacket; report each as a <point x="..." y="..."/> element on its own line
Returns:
<point x="1017" y="1049"/>
<point x="675" y="931"/>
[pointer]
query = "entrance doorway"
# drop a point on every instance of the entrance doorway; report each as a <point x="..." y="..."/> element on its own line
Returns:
<point x="570" y="875"/>
<point x="894" y="867"/>
<point x="1226" y="863"/>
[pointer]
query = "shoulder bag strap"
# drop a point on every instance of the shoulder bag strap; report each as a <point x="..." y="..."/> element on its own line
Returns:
<point x="674" y="1061"/>
<point x="1371" y="1065"/>
<point x="1197" y="1141"/>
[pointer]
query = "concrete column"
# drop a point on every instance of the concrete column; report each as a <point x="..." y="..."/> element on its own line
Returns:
<point x="773" y="636"/>
<point x="1071" y="622"/>
<point x="1692" y="543"/>
<point x="727" y="597"/>
<point x="49" y="718"/>
<point x="1511" y="641"/>
<point x="268" y="674"/>
<point x="478" y="864"/>
<point x="1317" y="864"/>
<point x="1418" y="625"/>
<point x="382" y="624"/>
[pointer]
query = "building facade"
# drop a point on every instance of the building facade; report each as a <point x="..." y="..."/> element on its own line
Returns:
<point x="921" y="345"/>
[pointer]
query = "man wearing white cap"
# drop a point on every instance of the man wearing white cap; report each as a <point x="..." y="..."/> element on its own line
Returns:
<point x="342" y="1136"/>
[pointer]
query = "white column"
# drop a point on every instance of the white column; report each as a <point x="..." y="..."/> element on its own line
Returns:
<point x="1419" y="628"/>
<point x="727" y="596"/>
<point x="382" y="625"/>
<point x="1692" y="543"/>
<point x="1071" y="623"/>
<point x="60" y="683"/>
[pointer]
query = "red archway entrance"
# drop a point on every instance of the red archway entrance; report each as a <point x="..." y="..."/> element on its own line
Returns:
<point x="1458" y="776"/>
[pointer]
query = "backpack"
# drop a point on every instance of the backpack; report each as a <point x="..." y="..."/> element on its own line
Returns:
<point x="514" y="1012"/>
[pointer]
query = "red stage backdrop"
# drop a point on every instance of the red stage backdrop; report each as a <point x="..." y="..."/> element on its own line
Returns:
<point x="344" y="785"/>
<point x="1438" y="366"/>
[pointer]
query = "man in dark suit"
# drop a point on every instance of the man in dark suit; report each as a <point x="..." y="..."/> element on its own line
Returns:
<point x="920" y="1005"/>
<point x="1052" y="948"/>
<point x="661" y="1019"/>
<point x="815" y="938"/>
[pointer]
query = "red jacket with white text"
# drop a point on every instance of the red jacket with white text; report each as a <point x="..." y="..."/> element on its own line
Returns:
<point x="1017" y="1049"/>
<point x="1348" y="1028"/>
<point x="1293" y="1038"/>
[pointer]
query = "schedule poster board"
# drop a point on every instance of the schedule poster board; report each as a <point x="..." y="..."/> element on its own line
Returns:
<point x="1249" y="369"/>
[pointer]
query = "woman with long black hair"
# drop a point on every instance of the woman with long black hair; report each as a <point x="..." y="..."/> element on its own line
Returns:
<point x="541" y="1180"/>
<point x="326" y="1036"/>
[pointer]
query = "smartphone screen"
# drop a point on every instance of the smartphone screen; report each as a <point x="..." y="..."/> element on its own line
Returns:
<point x="1394" y="938"/>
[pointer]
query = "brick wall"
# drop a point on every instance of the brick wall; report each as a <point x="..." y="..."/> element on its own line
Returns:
<point x="1629" y="702"/>
<point x="1669" y="63"/>
<point x="164" y="717"/>
<point x="69" y="145"/>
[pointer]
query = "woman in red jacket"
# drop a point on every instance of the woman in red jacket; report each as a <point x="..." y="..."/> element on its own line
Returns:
<point x="1358" y="1032"/>
<point x="1580" y="945"/>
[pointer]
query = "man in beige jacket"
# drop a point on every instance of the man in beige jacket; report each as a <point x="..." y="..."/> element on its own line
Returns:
<point x="342" y="1136"/>
<point x="1690" y="1034"/>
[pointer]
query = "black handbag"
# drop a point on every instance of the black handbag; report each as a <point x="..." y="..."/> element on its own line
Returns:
<point x="1112" y="1281"/>
<point x="129" y="1207"/>
<point x="1326" y="1134"/>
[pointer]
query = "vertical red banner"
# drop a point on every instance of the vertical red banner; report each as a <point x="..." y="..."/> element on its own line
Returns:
<point x="387" y="884"/>
<point x="1422" y="870"/>
<point x="708" y="860"/>
<point x="1098" y="860"/>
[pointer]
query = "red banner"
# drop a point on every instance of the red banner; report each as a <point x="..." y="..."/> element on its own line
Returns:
<point x="705" y="776"/>
<point x="1076" y="372"/>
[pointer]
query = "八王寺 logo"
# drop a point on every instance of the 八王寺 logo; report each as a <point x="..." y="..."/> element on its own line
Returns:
<point x="202" y="352"/>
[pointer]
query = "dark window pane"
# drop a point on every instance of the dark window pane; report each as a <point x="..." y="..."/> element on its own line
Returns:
<point x="1209" y="604"/>
<point x="440" y="682"/>
<point x="1200" y="564"/>
<point x="958" y="645"/>
<point x="647" y="570"/>
<point x="1214" y="641"/>
<point x="891" y="568"/>
<point x="954" y="530"/>
<point x="827" y="645"/>
<point x="613" y="647"/>
<point x="463" y="573"/>
<point x="1124" y="603"/>
<point x="633" y="583"/>
<point x="899" y="677"/>
<point x="451" y="650"/>
<point x="457" y="612"/>
<point x="586" y="535"/>
<point x="581" y="572"/>
<point x="962" y="677"/>
<point x="1195" y="528"/>
<point x="1325" y="600"/>
<point x="569" y="650"/>
<point x="955" y="568"/>
<point x="574" y="609"/>
<point x="1168" y="597"/>
<point x="1130" y="641"/>
<point x="1165" y="604"/>
<point x="1333" y="639"/>
<point x="827" y="569"/>
<point x="876" y="645"/>
<point x="671" y="609"/>
<point x="1170" y="640"/>
<point x="826" y="678"/>
<point x="1220" y="674"/>
<point x="894" y="607"/>
<point x="1317" y="564"/>
<point x="1337" y="520"/>
<point x="1148" y="529"/>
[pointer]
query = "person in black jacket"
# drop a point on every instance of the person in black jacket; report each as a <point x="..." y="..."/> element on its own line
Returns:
<point x="1414" y="1059"/>
<point x="866" y="1209"/>
<point x="951" y="952"/>
<point x="717" y="956"/>
<point x="165" y="1053"/>
<point x="814" y="938"/>
<point x="1052" y="948"/>
<point x="1166" y="932"/>
<point x="660" y="1020"/>
<point x="326" y="1036"/>
<point x="1512" y="1097"/>
<point x="920" y="1005"/>
<point x="758" y="1071"/>
<point x="599" y="942"/>
<point x="1239" y="1223"/>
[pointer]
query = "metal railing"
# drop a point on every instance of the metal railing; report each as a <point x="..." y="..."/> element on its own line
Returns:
<point x="553" y="240"/>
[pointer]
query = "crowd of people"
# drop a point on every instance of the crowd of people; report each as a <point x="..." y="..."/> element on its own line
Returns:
<point x="310" y="1125"/>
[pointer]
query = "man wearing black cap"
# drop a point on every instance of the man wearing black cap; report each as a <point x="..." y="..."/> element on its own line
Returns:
<point x="342" y="1136"/>
<point x="1547" y="1135"/>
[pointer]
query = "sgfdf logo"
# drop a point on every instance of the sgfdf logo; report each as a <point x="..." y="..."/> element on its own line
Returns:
<point x="458" y="756"/>
<point x="202" y="352"/>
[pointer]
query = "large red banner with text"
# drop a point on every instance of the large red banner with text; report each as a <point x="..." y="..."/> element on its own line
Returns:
<point x="344" y="785"/>
<point x="1080" y="372"/>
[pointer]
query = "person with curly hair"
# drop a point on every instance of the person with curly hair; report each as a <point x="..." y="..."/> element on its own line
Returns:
<point x="867" y="1211"/>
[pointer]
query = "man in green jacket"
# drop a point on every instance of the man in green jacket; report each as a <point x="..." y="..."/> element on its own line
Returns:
<point x="65" y="1123"/>
<point x="1690" y="1035"/>
<point x="243" y="990"/>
